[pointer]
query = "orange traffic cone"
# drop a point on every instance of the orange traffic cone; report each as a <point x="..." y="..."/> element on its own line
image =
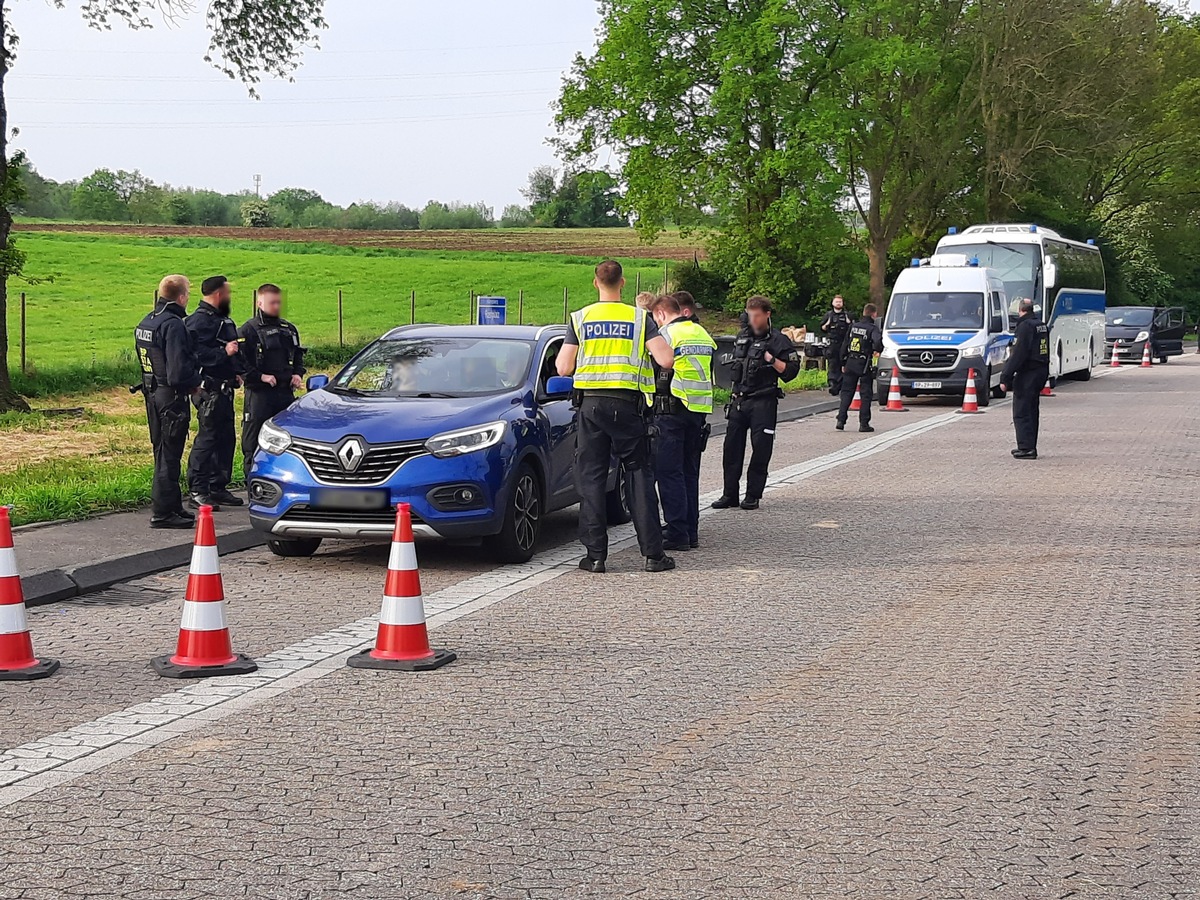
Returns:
<point x="856" y="403"/>
<point x="1146" y="362"/>
<point x="970" y="399"/>
<point x="17" y="662"/>
<point x="895" y="402"/>
<point x="1116" y="359"/>
<point x="204" y="648"/>
<point x="402" y="641"/>
<point x="1047" y="391"/>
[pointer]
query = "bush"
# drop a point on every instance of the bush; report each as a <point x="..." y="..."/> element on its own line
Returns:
<point x="256" y="214"/>
<point x="515" y="216"/>
<point x="319" y="215"/>
<point x="705" y="283"/>
<point x="443" y="217"/>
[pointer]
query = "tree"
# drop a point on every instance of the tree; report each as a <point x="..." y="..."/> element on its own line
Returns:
<point x="97" y="198"/>
<point x="516" y="216"/>
<point x="256" y="213"/>
<point x="295" y="200"/>
<point x="249" y="40"/>
<point x="582" y="199"/>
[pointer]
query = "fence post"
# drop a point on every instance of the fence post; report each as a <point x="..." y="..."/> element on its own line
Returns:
<point x="638" y="282"/>
<point x="566" y="308"/>
<point x="521" y="308"/>
<point x="666" y="275"/>
<point x="471" y="307"/>
<point x="341" y="342"/>
<point x="412" y="308"/>
<point x="24" y="371"/>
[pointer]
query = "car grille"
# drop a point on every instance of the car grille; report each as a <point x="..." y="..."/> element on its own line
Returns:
<point x="942" y="359"/>
<point x="301" y="513"/>
<point x="377" y="464"/>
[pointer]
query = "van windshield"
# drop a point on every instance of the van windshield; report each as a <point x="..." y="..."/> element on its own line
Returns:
<point x="936" y="310"/>
<point x="1137" y="316"/>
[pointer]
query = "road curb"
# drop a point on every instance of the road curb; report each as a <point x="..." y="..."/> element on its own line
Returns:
<point x="788" y="415"/>
<point x="57" y="585"/>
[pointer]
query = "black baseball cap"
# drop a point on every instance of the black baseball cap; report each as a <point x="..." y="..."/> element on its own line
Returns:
<point x="213" y="284"/>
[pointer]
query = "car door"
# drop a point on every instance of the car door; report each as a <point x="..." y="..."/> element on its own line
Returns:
<point x="557" y="419"/>
<point x="1171" y="338"/>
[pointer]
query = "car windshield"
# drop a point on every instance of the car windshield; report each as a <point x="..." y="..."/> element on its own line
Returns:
<point x="1135" y="316"/>
<point x="936" y="310"/>
<point x="437" y="367"/>
<point x="1014" y="263"/>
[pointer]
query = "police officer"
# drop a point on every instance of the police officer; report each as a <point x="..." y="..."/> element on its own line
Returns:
<point x="835" y="325"/>
<point x="863" y="343"/>
<point x="608" y="349"/>
<point x="688" y="307"/>
<point x="215" y="337"/>
<point x="1027" y="369"/>
<point x="761" y="357"/>
<point x="274" y="366"/>
<point x="170" y="373"/>
<point x="683" y="400"/>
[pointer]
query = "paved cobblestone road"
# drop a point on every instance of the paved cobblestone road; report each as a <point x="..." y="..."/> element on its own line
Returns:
<point x="927" y="672"/>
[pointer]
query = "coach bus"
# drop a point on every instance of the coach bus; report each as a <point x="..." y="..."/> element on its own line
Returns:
<point x="1064" y="278"/>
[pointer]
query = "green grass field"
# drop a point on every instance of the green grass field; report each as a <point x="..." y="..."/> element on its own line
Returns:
<point x="81" y="321"/>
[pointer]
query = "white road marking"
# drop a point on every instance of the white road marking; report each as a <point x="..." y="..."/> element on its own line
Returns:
<point x="59" y="758"/>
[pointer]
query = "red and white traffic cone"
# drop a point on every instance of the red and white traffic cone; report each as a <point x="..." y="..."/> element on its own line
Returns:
<point x="1116" y="359"/>
<point x="402" y="641"/>
<point x="856" y="403"/>
<point x="17" y="662"/>
<point x="970" y="399"/>
<point x="204" y="648"/>
<point x="1047" y="391"/>
<point x="895" y="401"/>
<point x="1147" y="363"/>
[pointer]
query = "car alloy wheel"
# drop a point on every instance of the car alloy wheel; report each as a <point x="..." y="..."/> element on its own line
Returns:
<point x="527" y="509"/>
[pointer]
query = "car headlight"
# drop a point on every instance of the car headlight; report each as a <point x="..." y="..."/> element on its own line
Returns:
<point x="273" y="439"/>
<point x="972" y="352"/>
<point x="466" y="440"/>
<point x="1142" y="335"/>
<point x="886" y="357"/>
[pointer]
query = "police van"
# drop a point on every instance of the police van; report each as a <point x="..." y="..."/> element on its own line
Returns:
<point x="947" y="315"/>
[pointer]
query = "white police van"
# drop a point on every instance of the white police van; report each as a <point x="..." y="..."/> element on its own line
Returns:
<point x="947" y="315"/>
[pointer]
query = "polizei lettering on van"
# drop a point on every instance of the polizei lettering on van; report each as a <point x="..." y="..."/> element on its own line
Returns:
<point x="594" y="330"/>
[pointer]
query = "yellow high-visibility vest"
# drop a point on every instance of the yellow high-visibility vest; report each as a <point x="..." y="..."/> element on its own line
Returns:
<point x="612" y="349"/>
<point x="692" y="379"/>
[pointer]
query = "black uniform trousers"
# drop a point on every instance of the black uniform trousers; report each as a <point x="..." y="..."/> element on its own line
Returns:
<point x="611" y="427"/>
<point x="833" y="366"/>
<point x="169" y="416"/>
<point x="260" y="406"/>
<point x="210" y="464"/>
<point x="1027" y="398"/>
<point x="677" y="468"/>
<point x="865" y="382"/>
<point x="758" y="417"/>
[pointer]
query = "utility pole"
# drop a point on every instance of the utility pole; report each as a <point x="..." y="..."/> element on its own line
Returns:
<point x="257" y="185"/>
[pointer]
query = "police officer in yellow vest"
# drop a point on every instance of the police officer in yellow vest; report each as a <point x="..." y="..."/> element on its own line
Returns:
<point x="683" y="401"/>
<point x="608" y="349"/>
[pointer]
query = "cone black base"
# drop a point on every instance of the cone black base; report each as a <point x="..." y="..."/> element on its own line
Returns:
<point x="44" y="669"/>
<point x="365" y="660"/>
<point x="243" y="665"/>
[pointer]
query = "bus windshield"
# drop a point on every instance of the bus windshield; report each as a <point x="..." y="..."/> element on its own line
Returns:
<point x="936" y="310"/>
<point x="1014" y="263"/>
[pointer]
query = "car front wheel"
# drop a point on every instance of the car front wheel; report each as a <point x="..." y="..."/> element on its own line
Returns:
<point x="518" y="538"/>
<point x="617" y="501"/>
<point x="300" y="547"/>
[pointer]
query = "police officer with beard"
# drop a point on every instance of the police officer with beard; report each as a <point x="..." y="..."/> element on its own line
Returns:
<point x="864" y="341"/>
<point x="215" y="337"/>
<point x="761" y="357"/>
<point x="1027" y="369"/>
<point x="274" y="363"/>
<point x="836" y="324"/>
<point x="170" y="373"/>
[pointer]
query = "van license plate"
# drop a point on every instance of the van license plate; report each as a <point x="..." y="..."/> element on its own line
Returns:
<point x="927" y="385"/>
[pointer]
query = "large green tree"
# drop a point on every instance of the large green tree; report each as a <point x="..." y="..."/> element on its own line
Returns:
<point x="248" y="40"/>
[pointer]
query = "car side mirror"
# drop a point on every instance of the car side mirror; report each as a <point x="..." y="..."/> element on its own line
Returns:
<point x="316" y="382"/>
<point x="1051" y="273"/>
<point x="559" y="385"/>
<point x="997" y="325"/>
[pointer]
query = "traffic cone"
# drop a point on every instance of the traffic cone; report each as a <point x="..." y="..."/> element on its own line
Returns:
<point x="970" y="399"/>
<point x="895" y="402"/>
<point x="17" y="662"/>
<point x="1047" y="391"/>
<point x="402" y="641"/>
<point x="1116" y="360"/>
<point x="856" y="403"/>
<point x="204" y="648"/>
<point x="1146" y="362"/>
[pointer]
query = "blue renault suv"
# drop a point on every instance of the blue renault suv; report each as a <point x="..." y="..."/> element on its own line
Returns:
<point x="469" y="424"/>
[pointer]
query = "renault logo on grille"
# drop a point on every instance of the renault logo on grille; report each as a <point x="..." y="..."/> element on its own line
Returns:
<point x="927" y="358"/>
<point x="350" y="454"/>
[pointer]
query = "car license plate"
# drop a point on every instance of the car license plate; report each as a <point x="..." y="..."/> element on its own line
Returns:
<point x="349" y="499"/>
<point x="926" y="385"/>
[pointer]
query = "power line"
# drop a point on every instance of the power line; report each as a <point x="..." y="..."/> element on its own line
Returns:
<point x="173" y="79"/>
<point x="321" y="52"/>
<point x="260" y="104"/>
<point x="267" y="123"/>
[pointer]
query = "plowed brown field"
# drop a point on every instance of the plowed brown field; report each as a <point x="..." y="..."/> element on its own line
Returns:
<point x="622" y="242"/>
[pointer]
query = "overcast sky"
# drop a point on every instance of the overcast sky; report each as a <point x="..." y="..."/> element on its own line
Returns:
<point x="404" y="101"/>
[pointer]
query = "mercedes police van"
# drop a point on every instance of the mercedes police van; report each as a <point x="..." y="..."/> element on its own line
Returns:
<point x="947" y="316"/>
